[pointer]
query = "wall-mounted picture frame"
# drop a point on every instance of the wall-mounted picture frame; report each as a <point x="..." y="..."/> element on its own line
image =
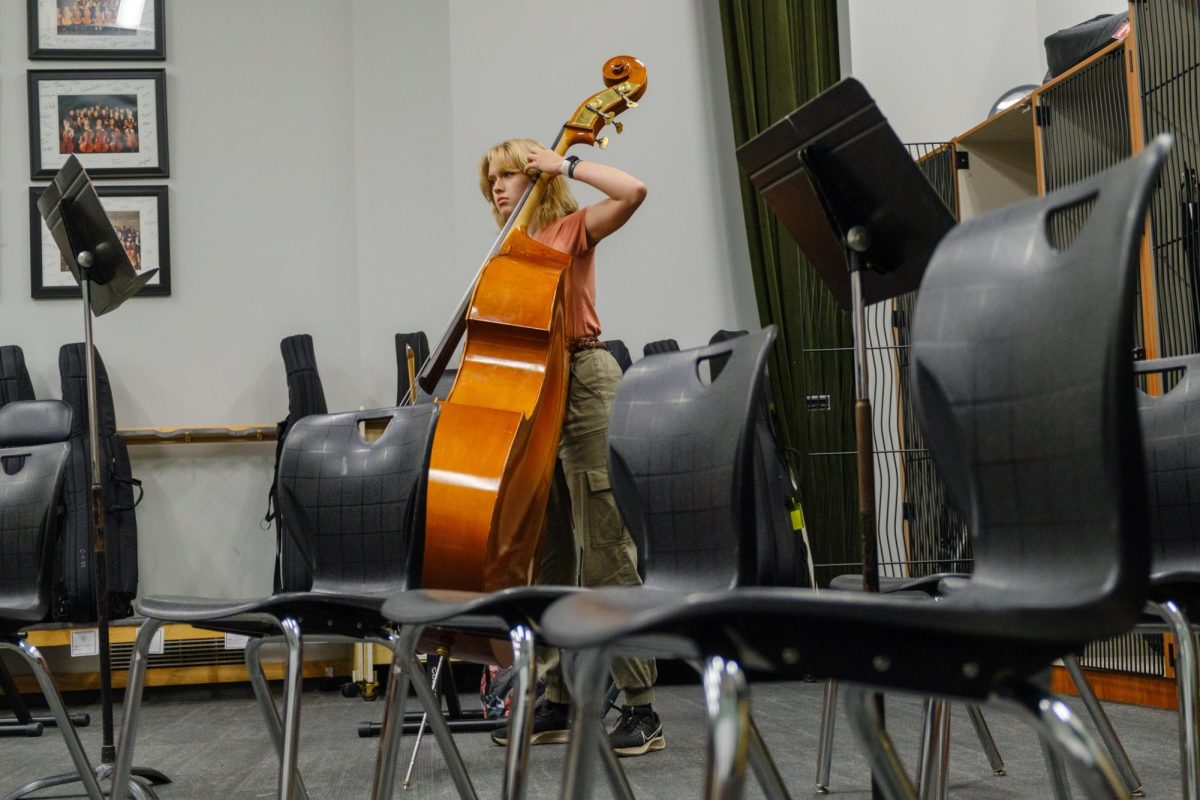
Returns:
<point x="114" y="121"/>
<point x="138" y="214"/>
<point x="97" y="29"/>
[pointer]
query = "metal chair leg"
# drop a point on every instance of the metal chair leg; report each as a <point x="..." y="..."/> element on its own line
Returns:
<point x="618" y="783"/>
<point x="986" y="741"/>
<point x="590" y="672"/>
<point x="825" y="737"/>
<point x="1060" y="729"/>
<point x="924" y="755"/>
<point x="393" y="716"/>
<point x="1100" y="719"/>
<point x="406" y="671"/>
<point x="134" y="686"/>
<point x="441" y="731"/>
<point x="876" y="744"/>
<point x="727" y="707"/>
<point x="941" y="782"/>
<point x="763" y="765"/>
<point x="41" y="672"/>
<point x="262" y="693"/>
<point x="935" y="753"/>
<point x="1060" y="787"/>
<point x="436" y="684"/>
<point x="520" y="721"/>
<point x="1187" y="682"/>
<point x="289" y="771"/>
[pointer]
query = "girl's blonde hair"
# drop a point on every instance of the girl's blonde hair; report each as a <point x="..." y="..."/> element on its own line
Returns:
<point x="510" y="156"/>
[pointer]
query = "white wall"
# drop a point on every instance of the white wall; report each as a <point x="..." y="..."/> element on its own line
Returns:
<point x="935" y="67"/>
<point x="322" y="181"/>
<point x="668" y="273"/>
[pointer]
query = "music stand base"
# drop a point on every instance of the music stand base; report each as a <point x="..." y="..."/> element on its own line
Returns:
<point x="140" y="789"/>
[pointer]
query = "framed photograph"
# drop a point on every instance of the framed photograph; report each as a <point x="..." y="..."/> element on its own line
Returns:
<point x="114" y="121"/>
<point x="139" y="215"/>
<point x="96" y="29"/>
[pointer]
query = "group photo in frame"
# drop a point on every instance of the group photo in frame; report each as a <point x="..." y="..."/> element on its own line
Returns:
<point x="114" y="121"/>
<point x="139" y="216"/>
<point x="96" y="29"/>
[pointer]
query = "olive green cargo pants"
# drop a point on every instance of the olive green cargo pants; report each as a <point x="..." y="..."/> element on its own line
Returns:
<point x="586" y="543"/>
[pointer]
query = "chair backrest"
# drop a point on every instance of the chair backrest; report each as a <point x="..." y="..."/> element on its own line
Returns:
<point x="34" y="437"/>
<point x="1023" y="382"/>
<point x="620" y="353"/>
<point x="781" y="554"/>
<point x="356" y="509"/>
<point x="660" y="346"/>
<point x="1171" y="433"/>
<point x="680" y="462"/>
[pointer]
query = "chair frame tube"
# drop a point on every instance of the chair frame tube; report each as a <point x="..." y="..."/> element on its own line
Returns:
<point x="41" y="672"/>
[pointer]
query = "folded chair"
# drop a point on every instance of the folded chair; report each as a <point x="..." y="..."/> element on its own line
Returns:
<point x="1023" y="387"/>
<point x="34" y="448"/>
<point x="664" y="410"/>
<point x="355" y="509"/>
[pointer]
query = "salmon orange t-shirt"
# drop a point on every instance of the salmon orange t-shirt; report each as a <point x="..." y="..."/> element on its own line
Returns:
<point x="569" y="235"/>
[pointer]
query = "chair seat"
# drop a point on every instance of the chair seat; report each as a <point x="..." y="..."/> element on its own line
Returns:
<point x="1181" y="585"/>
<point x="852" y="582"/>
<point x="14" y="617"/>
<point x="959" y="645"/>
<point x="477" y="610"/>
<point x="334" y="612"/>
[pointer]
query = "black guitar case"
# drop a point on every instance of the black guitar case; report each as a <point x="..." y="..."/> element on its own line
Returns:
<point x="306" y="396"/>
<point x="14" y="378"/>
<point x="75" y="600"/>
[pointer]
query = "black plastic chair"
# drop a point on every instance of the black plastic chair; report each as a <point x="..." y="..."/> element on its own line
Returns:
<point x="1023" y="387"/>
<point x="34" y="437"/>
<point x="1171" y="431"/>
<point x="659" y="347"/>
<point x="664" y="410"/>
<point x="357" y="512"/>
<point x="15" y="385"/>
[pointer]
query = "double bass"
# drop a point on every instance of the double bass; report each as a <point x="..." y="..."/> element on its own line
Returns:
<point x="496" y="441"/>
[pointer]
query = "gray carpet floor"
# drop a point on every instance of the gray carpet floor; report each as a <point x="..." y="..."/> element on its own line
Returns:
<point x="212" y="744"/>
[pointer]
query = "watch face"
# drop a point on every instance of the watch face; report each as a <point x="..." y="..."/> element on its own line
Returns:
<point x="1011" y="98"/>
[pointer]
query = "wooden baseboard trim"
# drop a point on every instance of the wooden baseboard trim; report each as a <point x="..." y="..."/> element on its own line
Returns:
<point x="1120" y="687"/>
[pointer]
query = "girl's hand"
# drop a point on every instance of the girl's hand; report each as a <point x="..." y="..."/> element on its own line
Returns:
<point x="542" y="160"/>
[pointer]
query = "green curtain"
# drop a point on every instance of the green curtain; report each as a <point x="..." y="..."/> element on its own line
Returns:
<point x="779" y="54"/>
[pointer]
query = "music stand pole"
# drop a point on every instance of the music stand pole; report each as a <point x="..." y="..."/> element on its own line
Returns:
<point x="826" y="170"/>
<point x="858" y="240"/>
<point x="108" y="751"/>
<point x="84" y="235"/>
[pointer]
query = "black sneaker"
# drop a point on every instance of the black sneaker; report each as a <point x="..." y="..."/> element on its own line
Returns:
<point x="551" y="724"/>
<point x="637" y="732"/>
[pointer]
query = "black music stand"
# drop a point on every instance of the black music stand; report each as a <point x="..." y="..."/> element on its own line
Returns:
<point x="89" y="245"/>
<point x="837" y="176"/>
<point x="835" y="173"/>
